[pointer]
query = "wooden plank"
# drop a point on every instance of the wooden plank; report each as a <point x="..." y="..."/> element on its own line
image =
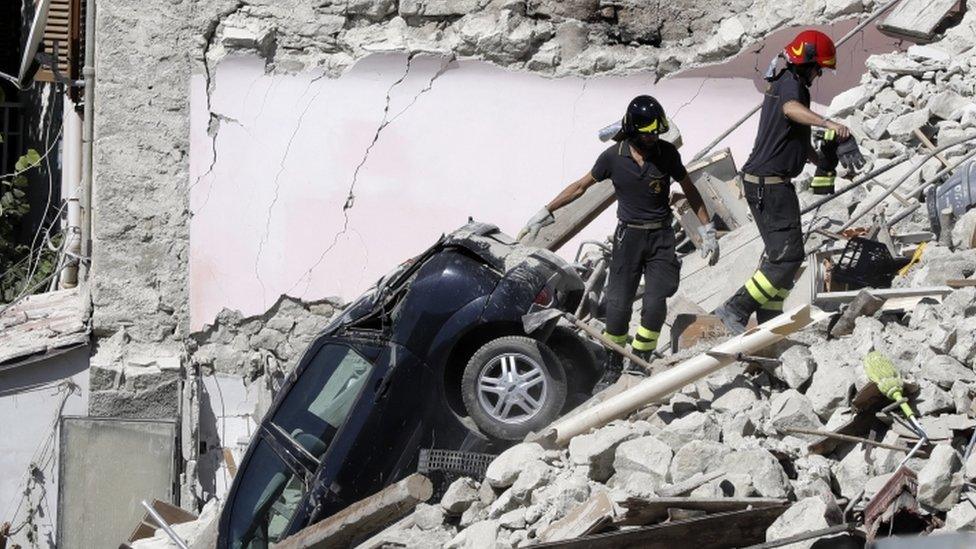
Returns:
<point x="363" y="517"/>
<point x="718" y="531"/>
<point x="918" y="19"/>
<point x="960" y="283"/>
<point x="586" y="518"/>
<point x="641" y="511"/>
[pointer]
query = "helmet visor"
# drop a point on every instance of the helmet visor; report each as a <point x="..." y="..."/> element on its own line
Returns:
<point x="657" y="126"/>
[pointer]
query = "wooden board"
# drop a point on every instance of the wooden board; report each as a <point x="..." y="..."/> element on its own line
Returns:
<point x="733" y="529"/>
<point x="918" y="20"/>
<point x="641" y="511"/>
<point x="364" y="517"/>
<point x="588" y="517"/>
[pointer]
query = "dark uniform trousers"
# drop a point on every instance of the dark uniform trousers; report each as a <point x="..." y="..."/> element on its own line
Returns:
<point x="637" y="252"/>
<point x="776" y="209"/>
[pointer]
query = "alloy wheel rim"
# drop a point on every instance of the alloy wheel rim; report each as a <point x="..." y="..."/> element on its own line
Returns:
<point x="512" y="388"/>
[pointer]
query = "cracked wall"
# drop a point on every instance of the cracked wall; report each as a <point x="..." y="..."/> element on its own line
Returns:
<point x="145" y="176"/>
<point x="321" y="185"/>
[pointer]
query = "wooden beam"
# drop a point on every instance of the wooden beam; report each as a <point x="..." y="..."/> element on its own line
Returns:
<point x="363" y="517"/>
<point x="918" y="20"/>
<point x="734" y="529"/>
<point x="589" y="517"/>
<point x="641" y="511"/>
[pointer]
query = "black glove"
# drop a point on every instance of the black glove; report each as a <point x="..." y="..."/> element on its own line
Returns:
<point x="823" y="178"/>
<point x="849" y="154"/>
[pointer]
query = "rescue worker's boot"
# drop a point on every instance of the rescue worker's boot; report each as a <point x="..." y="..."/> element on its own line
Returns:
<point x="646" y="356"/>
<point x="735" y="312"/>
<point x="613" y="366"/>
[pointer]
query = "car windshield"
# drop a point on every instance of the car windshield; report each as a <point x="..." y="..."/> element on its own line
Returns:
<point x="312" y="413"/>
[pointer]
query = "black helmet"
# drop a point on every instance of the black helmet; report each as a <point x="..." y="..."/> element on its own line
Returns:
<point x="644" y="116"/>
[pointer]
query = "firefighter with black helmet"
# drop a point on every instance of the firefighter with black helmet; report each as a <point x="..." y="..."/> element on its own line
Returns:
<point x="641" y="167"/>
<point x="783" y="145"/>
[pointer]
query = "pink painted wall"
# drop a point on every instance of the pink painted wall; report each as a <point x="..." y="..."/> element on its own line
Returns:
<point x="479" y="141"/>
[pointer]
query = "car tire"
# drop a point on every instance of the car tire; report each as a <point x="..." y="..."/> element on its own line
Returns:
<point x="512" y="386"/>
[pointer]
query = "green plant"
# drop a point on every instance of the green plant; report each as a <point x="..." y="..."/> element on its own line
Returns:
<point x="20" y="269"/>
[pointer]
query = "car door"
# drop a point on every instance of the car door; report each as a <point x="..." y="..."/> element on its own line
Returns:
<point x="390" y="427"/>
<point x="270" y="490"/>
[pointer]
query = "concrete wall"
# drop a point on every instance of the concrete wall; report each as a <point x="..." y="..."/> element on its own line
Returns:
<point x="31" y="398"/>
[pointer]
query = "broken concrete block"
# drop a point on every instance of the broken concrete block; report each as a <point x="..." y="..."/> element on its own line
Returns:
<point x="698" y="456"/>
<point x="735" y="430"/>
<point x="646" y="455"/>
<point x="535" y="474"/>
<point x="797" y="366"/>
<point x="694" y="426"/>
<point x="428" y="517"/>
<point x="831" y="388"/>
<point x="904" y="85"/>
<point x="962" y="517"/>
<point x="838" y="8"/>
<point x="735" y="396"/>
<point x="964" y="231"/>
<point x="460" y="495"/>
<point x="940" y="481"/>
<point x="480" y="535"/>
<point x="725" y="41"/>
<point x="932" y="400"/>
<point x="852" y="472"/>
<point x="904" y="126"/>
<point x="504" y="469"/>
<point x="478" y="511"/>
<point x="962" y="397"/>
<point x="943" y="370"/>
<point x="947" y="105"/>
<point x="596" y="450"/>
<point x="792" y="409"/>
<point x="806" y="515"/>
<point x="848" y="101"/>
<point x="763" y="469"/>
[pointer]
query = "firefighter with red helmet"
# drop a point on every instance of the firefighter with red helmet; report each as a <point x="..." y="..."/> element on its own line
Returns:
<point x="782" y="147"/>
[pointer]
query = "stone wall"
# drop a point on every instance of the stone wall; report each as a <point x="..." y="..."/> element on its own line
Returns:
<point x="146" y="52"/>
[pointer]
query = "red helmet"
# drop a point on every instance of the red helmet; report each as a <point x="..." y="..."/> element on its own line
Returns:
<point x="812" y="46"/>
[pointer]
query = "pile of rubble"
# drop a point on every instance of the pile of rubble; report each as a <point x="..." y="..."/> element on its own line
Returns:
<point x="744" y="434"/>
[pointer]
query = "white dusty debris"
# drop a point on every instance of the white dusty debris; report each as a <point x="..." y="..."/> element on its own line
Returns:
<point x="734" y="430"/>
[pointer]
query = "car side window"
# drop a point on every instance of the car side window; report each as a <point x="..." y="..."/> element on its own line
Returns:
<point x="312" y="413"/>
<point x="320" y="401"/>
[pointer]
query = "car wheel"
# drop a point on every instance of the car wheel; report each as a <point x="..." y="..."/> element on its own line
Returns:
<point x="513" y="386"/>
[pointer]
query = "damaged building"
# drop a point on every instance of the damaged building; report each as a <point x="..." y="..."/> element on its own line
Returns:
<point x="245" y="183"/>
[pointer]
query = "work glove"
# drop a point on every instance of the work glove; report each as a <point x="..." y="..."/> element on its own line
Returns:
<point x="542" y="218"/>
<point x="709" y="245"/>
<point x="850" y="155"/>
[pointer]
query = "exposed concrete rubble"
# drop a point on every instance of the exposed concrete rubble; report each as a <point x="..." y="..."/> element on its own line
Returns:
<point x="736" y="425"/>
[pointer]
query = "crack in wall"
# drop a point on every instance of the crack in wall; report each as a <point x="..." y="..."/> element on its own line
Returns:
<point x="213" y="120"/>
<point x="350" y="198"/>
<point x="277" y="184"/>
<point x="692" y="100"/>
<point x="572" y="125"/>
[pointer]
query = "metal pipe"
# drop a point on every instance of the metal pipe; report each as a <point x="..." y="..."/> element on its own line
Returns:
<point x="71" y="189"/>
<point x="904" y="178"/>
<point x="164" y="525"/>
<point x="86" y="140"/>
<point x="673" y="379"/>
<point x="877" y="13"/>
